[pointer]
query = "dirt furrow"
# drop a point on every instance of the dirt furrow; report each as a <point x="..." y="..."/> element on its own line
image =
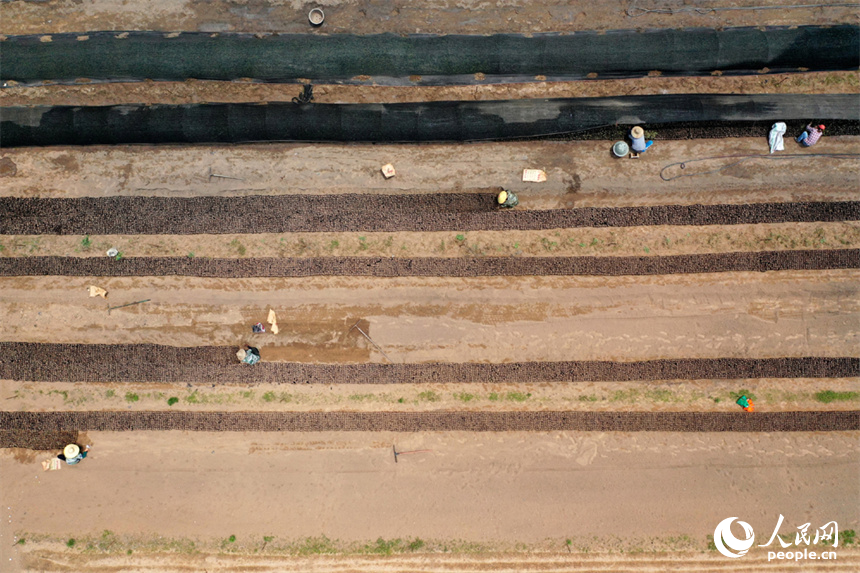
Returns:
<point x="431" y="267"/>
<point x="357" y="212"/>
<point x="433" y="421"/>
<point x="218" y="364"/>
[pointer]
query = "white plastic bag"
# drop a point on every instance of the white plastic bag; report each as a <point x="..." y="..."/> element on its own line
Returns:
<point x="775" y="137"/>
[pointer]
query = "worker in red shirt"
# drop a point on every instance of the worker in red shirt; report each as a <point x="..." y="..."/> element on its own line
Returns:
<point x="810" y="135"/>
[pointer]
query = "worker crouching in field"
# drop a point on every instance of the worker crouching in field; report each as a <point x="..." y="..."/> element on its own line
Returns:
<point x="248" y="355"/>
<point x="507" y="200"/>
<point x="810" y="135"/>
<point x="637" y="137"/>
<point x="72" y="454"/>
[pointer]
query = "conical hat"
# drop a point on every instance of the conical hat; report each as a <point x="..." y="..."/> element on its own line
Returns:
<point x="637" y="132"/>
<point x="71" y="451"/>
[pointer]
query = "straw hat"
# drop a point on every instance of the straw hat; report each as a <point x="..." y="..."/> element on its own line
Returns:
<point x="637" y="132"/>
<point x="503" y="196"/>
<point x="71" y="451"/>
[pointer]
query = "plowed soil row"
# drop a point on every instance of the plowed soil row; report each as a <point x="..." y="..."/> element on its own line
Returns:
<point x="432" y="267"/>
<point x="36" y="440"/>
<point x="358" y="212"/>
<point x="217" y="364"/>
<point x="434" y="421"/>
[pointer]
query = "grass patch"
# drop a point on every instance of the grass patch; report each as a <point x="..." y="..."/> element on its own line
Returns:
<point x="70" y="543"/>
<point x="240" y="248"/>
<point x="21" y="541"/>
<point x="493" y="397"/>
<point x="86" y="243"/>
<point x="110" y="393"/>
<point x="429" y="396"/>
<point x="518" y="396"/>
<point x="659" y="395"/>
<point x="316" y="546"/>
<point x="587" y="398"/>
<point x="846" y="537"/>
<point x="269" y="397"/>
<point x="828" y="396"/>
<point x="463" y="396"/>
<point x="173" y="400"/>
<point x="360" y="397"/>
<point x="384" y="546"/>
<point x="742" y="392"/>
<point x="131" y="397"/>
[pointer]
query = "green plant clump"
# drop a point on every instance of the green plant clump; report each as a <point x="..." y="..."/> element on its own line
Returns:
<point x="173" y="400"/>
<point x="131" y="397"/>
<point x="428" y="396"/>
<point x="70" y="543"/>
<point x="828" y="396"/>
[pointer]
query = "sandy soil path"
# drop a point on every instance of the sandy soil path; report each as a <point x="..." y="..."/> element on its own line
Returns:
<point x="508" y="487"/>
<point x="579" y="174"/>
<point x="658" y="240"/>
<point x="396" y="16"/>
<point x="196" y="91"/>
<point x="456" y="320"/>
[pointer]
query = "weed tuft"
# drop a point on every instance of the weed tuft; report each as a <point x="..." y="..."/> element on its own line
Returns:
<point x="429" y="396"/>
<point x="828" y="396"/>
<point x="131" y="397"/>
<point x="173" y="400"/>
<point x="70" y="543"/>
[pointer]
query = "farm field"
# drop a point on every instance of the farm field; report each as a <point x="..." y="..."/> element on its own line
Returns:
<point x="451" y="386"/>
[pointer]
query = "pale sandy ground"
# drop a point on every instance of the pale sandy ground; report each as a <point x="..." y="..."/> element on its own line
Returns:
<point x="657" y="240"/>
<point x="395" y="16"/>
<point x="503" y="319"/>
<point x="580" y="174"/>
<point x="709" y="395"/>
<point x="201" y="91"/>
<point x="604" y="491"/>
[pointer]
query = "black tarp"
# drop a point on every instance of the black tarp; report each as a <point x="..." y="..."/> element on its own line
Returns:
<point x="424" y="59"/>
<point x="402" y="122"/>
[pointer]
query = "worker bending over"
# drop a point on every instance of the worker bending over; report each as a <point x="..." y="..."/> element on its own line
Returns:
<point x="810" y="135"/>
<point x="507" y="200"/>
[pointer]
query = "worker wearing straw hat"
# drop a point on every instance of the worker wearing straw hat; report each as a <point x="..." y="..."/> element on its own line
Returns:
<point x="637" y="136"/>
<point x="72" y="454"/>
<point x="507" y="200"/>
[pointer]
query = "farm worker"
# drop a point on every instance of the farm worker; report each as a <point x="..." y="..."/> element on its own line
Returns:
<point x="637" y="136"/>
<point x="72" y="454"/>
<point x="507" y="200"/>
<point x="248" y="355"/>
<point x="810" y="135"/>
